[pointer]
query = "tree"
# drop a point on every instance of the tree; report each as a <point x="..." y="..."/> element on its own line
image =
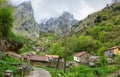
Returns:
<point x="85" y="43"/>
<point x="117" y="59"/>
<point x="2" y="3"/>
<point x="58" y="50"/>
<point x="6" y="19"/>
<point x="102" y="62"/>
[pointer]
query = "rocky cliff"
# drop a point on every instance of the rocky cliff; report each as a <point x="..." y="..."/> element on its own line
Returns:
<point x="60" y="25"/>
<point x="25" y="24"/>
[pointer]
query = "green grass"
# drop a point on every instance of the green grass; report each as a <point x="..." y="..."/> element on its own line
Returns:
<point x="6" y="64"/>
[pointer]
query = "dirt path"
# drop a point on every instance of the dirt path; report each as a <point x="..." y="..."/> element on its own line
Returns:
<point x="39" y="72"/>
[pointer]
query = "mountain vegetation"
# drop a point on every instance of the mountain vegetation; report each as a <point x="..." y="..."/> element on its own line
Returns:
<point x="98" y="36"/>
<point x="94" y="34"/>
<point x="6" y="23"/>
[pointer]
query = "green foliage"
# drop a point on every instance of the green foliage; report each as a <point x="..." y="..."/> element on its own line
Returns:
<point x="117" y="59"/>
<point x="101" y="50"/>
<point x="55" y="73"/>
<point x="84" y="42"/>
<point x="57" y="49"/>
<point x="85" y="71"/>
<point x="16" y="38"/>
<point x="80" y="71"/>
<point x="2" y="3"/>
<point x="6" y="20"/>
<point x="100" y="18"/>
<point x="23" y="49"/>
<point x="6" y="64"/>
<point x="102" y="62"/>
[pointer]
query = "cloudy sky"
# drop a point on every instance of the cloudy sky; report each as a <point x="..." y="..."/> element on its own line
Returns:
<point x="53" y="8"/>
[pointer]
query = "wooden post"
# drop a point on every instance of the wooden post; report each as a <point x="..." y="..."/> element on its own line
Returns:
<point x="58" y="61"/>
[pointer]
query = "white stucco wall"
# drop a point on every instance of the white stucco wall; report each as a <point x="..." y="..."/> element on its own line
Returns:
<point x="76" y="59"/>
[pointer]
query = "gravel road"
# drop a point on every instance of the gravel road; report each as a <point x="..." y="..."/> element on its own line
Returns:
<point x="39" y="72"/>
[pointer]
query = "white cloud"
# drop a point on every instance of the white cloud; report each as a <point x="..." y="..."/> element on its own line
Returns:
<point x="53" y="8"/>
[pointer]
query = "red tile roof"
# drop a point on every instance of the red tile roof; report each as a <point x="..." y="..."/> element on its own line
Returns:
<point x="80" y="54"/>
<point x="39" y="58"/>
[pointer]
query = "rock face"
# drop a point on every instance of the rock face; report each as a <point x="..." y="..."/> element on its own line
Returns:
<point x="25" y="24"/>
<point x="10" y="46"/>
<point x="24" y="21"/>
<point x="60" y="25"/>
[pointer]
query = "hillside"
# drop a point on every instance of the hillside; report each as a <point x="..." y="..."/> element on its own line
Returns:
<point x="103" y="15"/>
<point x="96" y="33"/>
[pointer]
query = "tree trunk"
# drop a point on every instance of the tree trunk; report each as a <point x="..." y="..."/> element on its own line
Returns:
<point x="65" y="62"/>
<point x="58" y="61"/>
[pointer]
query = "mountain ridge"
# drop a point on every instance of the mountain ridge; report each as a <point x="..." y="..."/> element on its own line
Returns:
<point x="57" y="25"/>
<point x="27" y="26"/>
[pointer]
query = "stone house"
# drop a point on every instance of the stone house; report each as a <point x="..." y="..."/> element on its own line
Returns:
<point x="81" y="57"/>
<point x="53" y="58"/>
<point x="112" y="51"/>
<point x="55" y="61"/>
<point x="47" y="60"/>
<point x="109" y="53"/>
<point x="39" y="60"/>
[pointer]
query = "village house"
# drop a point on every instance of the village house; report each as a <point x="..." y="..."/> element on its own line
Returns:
<point x="47" y="60"/>
<point x="53" y="60"/>
<point x="39" y="60"/>
<point x="92" y="60"/>
<point x="112" y="51"/>
<point x="81" y="57"/>
<point x="53" y="57"/>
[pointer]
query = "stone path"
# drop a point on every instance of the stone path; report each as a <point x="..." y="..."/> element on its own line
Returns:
<point x="39" y="72"/>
